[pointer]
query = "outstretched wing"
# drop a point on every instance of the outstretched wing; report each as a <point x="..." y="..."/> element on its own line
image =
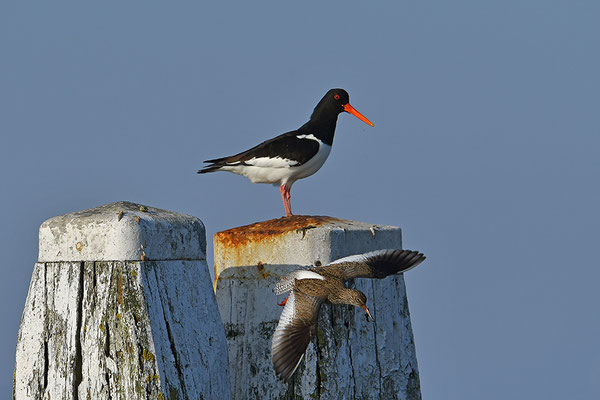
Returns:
<point x="375" y="264"/>
<point x="294" y="331"/>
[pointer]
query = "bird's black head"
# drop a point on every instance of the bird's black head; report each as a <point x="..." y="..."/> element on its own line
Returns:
<point x="339" y="97"/>
<point x="333" y="103"/>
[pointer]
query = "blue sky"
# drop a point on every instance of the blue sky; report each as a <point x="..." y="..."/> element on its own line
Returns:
<point x="485" y="151"/>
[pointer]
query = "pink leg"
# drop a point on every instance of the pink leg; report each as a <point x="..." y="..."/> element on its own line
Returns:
<point x="285" y="196"/>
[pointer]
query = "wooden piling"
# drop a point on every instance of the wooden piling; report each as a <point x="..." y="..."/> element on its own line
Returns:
<point x="121" y="306"/>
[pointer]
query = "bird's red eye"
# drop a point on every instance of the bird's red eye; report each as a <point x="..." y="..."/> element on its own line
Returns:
<point x="336" y="96"/>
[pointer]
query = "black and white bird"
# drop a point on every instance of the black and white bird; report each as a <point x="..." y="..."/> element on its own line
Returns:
<point x="309" y="289"/>
<point x="293" y="155"/>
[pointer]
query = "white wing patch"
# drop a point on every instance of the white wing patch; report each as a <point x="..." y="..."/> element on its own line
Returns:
<point x="287" y="315"/>
<point x="302" y="274"/>
<point x="271" y="162"/>
<point x="311" y="137"/>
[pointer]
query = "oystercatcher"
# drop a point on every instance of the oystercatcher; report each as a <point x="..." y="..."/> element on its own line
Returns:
<point x="309" y="289"/>
<point x="293" y="155"/>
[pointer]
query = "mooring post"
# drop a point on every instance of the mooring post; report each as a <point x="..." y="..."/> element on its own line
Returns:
<point x="121" y="306"/>
<point x="350" y="357"/>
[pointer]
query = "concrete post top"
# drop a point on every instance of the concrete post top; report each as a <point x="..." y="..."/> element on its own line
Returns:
<point x="122" y="231"/>
<point x="299" y="240"/>
<point x="260" y="231"/>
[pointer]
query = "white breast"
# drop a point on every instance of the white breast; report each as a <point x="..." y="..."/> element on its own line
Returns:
<point x="312" y="165"/>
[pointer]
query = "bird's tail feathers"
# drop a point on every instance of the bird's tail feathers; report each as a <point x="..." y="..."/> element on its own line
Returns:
<point x="221" y="160"/>
<point x="218" y="164"/>
<point x="209" y="168"/>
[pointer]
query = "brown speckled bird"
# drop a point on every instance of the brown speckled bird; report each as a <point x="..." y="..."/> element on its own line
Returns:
<point x="311" y="288"/>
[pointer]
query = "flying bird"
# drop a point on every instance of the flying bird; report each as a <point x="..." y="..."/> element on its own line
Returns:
<point x="293" y="155"/>
<point x="309" y="289"/>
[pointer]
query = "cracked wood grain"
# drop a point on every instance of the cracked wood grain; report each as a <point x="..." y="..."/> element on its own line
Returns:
<point x="121" y="330"/>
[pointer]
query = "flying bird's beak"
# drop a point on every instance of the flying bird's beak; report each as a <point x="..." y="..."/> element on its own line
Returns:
<point x="368" y="313"/>
<point x="348" y="108"/>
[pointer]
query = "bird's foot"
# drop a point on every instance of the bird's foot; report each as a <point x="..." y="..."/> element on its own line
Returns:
<point x="285" y="300"/>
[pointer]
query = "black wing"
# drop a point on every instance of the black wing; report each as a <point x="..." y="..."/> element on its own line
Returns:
<point x="376" y="264"/>
<point x="288" y="145"/>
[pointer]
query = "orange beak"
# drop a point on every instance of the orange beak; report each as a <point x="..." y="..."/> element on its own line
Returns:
<point x="368" y="313"/>
<point x="352" y="110"/>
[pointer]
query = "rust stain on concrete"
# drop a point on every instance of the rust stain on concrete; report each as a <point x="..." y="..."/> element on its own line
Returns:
<point x="260" y="231"/>
<point x="239" y="243"/>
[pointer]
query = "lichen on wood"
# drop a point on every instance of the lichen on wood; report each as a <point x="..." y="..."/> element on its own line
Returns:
<point x="120" y="330"/>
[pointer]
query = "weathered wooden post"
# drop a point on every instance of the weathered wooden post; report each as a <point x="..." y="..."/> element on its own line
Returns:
<point x="350" y="358"/>
<point x="121" y="306"/>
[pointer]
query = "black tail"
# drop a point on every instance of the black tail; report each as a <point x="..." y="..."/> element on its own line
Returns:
<point x="216" y="164"/>
<point x="210" y="168"/>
